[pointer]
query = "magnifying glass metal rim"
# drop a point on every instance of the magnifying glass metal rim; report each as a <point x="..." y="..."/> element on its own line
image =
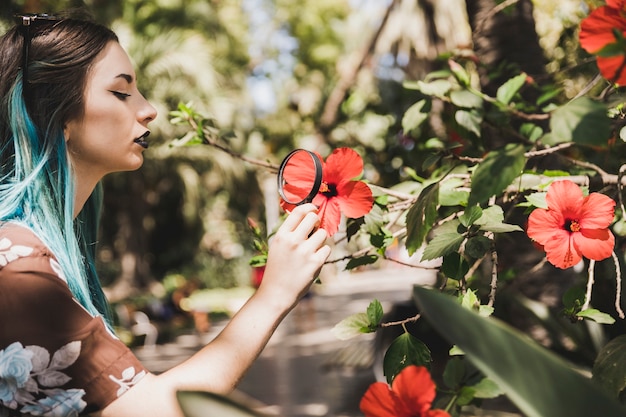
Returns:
<point x="317" y="183"/>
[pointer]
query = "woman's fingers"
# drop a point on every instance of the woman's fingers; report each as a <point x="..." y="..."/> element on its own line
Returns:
<point x="295" y="217"/>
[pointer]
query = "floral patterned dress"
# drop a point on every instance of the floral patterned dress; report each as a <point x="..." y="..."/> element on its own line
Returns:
<point x="56" y="359"/>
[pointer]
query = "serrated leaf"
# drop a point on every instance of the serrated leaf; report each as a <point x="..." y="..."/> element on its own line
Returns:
<point x="596" y="315"/>
<point x="538" y="200"/>
<point x="492" y="220"/>
<point x="441" y="245"/>
<point x="353" y="325"/>
<point x="496" y="172"/>
<point x="375" y="313"/>
<point x="536" y="380"/>
<point x="609" y="369"/>
<point x="421" y="217"/>
<point x="405" y="350"/>
<point x="470" y="215"/>
<point x="583" y="121"/>
<point x="507" y="91"/>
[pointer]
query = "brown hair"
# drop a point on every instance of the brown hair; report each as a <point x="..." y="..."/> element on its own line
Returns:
<point x="60" y="56"/>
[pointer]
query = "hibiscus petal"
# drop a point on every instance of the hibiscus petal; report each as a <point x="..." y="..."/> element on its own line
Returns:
<point x="341" y="165"/>
<point x="330" y="215"/>
<point x="542" y="225"/>
<point x="596" y="30"/>
<point x="378" y="401"/>
<point x="597" y="212"/>
<point x="566" y="198"/>
<point x="595" y="244"/>
<point x="300" y="170"/>
<point x="561" y="252"/>
<point x="414" y="387"/>
<point x="612" y="68"/>
<point x="354" y="198"/>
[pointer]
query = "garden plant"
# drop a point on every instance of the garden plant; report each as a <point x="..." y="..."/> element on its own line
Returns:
<point x="551" y="195"/>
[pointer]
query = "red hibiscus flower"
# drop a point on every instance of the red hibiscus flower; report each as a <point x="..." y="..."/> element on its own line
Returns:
<point x="339" y="192"/>
<point x="597" y="32"/>
<point x="573" y="226"/>
<point x="411" y="395"/>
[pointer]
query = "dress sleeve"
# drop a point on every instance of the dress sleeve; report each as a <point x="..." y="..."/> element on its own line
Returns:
<point x="55" y="357"/>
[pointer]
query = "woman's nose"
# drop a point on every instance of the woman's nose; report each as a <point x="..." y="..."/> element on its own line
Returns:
<point x="147" y="112"/>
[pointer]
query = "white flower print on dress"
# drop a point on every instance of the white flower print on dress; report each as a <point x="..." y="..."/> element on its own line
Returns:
<point x="128" y="379"/>
<point x="26" y="372"/>
<point x="10" y="252"/>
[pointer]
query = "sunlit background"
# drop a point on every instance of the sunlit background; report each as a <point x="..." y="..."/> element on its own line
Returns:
<point x="275" y="75"/>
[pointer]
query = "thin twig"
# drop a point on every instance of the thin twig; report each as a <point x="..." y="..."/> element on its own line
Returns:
<point x="618" y="286"/>
<point x="401" y="322"/>
<point x="494" y="278"/>
<point x="590" y="281"/>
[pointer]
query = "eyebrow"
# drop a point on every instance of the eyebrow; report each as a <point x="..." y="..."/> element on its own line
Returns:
<point x="128" y="78"/>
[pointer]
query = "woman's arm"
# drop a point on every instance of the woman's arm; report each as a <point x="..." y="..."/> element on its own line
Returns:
<point x="294" y="260"/>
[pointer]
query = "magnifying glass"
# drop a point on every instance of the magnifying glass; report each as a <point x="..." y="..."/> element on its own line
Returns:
<point x="299" y="177"/>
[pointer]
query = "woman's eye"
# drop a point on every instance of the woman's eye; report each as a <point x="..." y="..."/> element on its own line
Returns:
<point x="121" y="96"/>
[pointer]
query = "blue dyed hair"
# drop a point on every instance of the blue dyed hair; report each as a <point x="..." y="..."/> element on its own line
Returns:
<point x="36" y="178"/>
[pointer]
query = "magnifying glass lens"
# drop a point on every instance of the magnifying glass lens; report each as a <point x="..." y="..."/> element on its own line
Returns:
<point x="299" y="177"/>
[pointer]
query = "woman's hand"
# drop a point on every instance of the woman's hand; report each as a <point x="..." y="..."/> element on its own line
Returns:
<point x="296" y="254"/>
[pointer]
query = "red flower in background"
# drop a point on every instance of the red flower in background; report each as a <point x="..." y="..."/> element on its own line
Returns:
<point x="573" y="226"/>
<point x="339" y="192"/>
<point x="597" y="32"/>
<point x="411" y="395"/>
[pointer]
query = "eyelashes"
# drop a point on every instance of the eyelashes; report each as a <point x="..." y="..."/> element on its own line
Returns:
<point x="119" y="95"/>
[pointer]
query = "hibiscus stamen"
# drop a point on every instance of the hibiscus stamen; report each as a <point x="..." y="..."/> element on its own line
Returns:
<point x="572" y="226"/>
<point x="329" y="190"/>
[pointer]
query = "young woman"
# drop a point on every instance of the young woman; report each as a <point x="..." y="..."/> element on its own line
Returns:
<point x="70" y="113"/>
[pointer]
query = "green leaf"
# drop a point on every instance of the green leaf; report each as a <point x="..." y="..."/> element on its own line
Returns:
<point x="352" y="326"/>
<point x="487" y="388"/>
<point x="201" y="404"/>
<point x="531" y="131"/>
<point x="405" y="350"/>
<point x="609" y="369"/>
<point x="492" y="220"/>
<point x="540" y="383"/>
<point x="477" y="246"/>
<point x="454" y="266"/>
<point x="375" y="313"/>
<point x="454" y="372"/>
<point x="583" y="121"/>
<point x="507" y="91"/>
<point x="470" y="120"/>
<point x="360" y="261"/>
<point x="467" y="99"/>
<point x="538" y="200"/>
<point x="496" y="172"/>
<point x="437" y="88"/>
<point x="421" y="217"/>
<point x="414" y="117"/>
<point x="470" y="215"/>
<point x="441" y="245"/>
<point x="596" y="315"/>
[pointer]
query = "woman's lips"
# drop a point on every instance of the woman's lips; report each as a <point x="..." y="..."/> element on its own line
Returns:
<point x="141" y="140"/>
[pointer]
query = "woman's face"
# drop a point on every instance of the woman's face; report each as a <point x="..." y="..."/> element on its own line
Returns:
<point x="109" y="137"/>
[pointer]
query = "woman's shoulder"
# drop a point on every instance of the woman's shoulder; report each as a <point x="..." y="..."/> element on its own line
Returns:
<point x="20" y="248"/>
